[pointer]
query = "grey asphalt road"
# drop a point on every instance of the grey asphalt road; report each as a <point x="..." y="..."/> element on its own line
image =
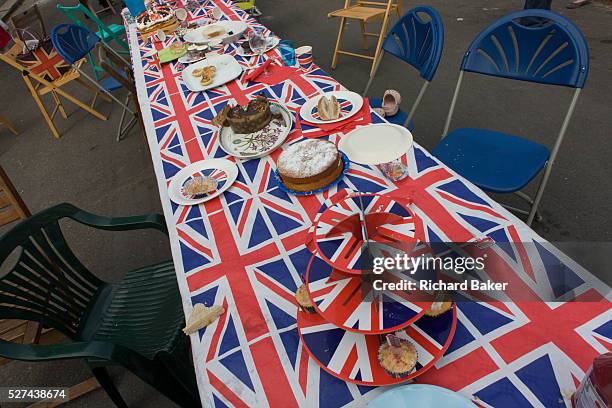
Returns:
<point x="89" y="169"/>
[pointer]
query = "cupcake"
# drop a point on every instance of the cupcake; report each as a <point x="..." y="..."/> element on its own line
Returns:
<point x="442" y="303"/>
<point x="303" y="300"/>
<point x="199" y="186"/>
<point x="397" y="360"/>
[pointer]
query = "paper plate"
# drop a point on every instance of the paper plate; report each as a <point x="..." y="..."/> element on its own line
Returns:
<point x="286" y="189"/>
<point x="233" y="30"/>
<point x="353" y="357"/>
<point x="350" y="104"/>
<point x="227" y="69"/>
<point x="224" y="171"/>
<point x="376" y="144"/>
<point x="271" y="42"/>
<point x="422" y="396"/>
<point x="261" y="143"/>
<point x="168" y="54"/>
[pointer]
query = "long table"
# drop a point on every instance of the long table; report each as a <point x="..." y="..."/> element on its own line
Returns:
<point x="246" y="251"/>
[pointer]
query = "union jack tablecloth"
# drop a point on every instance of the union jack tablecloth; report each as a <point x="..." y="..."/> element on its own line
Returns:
<point x="246" y="251"/>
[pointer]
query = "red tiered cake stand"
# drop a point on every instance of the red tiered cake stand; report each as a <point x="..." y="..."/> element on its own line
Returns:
<point x="344" y="335"/>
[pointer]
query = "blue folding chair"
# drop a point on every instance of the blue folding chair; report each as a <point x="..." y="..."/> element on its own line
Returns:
<point x="73" y="42"/>
<point x="417" y="42"/>
<point x="552" y="53"/>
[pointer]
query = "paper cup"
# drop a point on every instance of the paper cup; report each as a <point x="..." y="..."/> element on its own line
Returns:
<point x="394" y="170"/>
<point x="304" y="57"/>
<point x="181" y="14"/>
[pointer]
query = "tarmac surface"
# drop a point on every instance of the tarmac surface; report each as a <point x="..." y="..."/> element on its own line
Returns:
<point x="88" y="168"/>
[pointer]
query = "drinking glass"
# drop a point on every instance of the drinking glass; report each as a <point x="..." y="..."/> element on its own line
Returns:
<point x="257" y="41"/>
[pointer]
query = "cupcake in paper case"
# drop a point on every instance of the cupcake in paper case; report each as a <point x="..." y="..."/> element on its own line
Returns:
<point x="398" y="361"/>
<point x="303" y="300"/>
<point x="442" y="303"/>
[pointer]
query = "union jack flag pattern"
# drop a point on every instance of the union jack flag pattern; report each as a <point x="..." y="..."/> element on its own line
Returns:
<point x="249" y="249"/>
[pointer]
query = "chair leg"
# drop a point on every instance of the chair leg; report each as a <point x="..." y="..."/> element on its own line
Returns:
<point x="173" y="387"/>
<point x="106" y="382"/>
<point x="398" y="8"/>
<point x="381" y="37"/>
<point x="4" y="121"/>
<point x="338" y="40"/>
<point x="59" y="104"/>
<point x="41" y="107"/>
<point x="365" y="37"/>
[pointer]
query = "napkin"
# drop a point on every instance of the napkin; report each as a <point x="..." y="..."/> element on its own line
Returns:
<point x="255" y="73"/>
<point x="314" y="130"/>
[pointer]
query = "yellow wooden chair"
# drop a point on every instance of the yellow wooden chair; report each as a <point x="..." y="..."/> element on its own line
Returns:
<point x="364" y="12"/>
<point x="5" y="122"/>
<point x="39" y="86"/>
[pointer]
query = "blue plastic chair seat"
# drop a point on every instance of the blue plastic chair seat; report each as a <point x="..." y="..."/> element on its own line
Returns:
<point x="494" y="161"/>
<point x="398" y="119"/>
<point x="110" y="84"/>
<point x="116" y="29"/>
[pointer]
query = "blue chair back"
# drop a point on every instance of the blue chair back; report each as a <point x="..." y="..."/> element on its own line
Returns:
<point x="73" y="42"/>
<point x="417" y="41"/>
<point x="551" y="52"/>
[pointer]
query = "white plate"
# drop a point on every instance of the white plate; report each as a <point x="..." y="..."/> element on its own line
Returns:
<point x="223" y="170"/>
<point x="261" y="143"/>
<point x="198" y="36"/>
<point x="376" y="144"/>
<point x="350" y="103"/>
<point x="227" y="69"/>
<point x="271" y="42"/>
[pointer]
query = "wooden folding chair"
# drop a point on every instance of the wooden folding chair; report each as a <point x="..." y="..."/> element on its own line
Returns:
<point x="26" y="19"/>
<point x="364" y="12"/>
<point x="5" y="122"/>
<point x="39" y="86"/>
<point x="12" y="209"/>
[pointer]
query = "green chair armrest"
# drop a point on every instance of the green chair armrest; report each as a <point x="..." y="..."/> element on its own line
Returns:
<point x="136" y="222"/>
<point x="155" y="221"/>
<point x="37" y="352"/>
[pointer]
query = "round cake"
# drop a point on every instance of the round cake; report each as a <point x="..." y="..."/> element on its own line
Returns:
<point x="303" y="300"/>
<point x="309" y="165"/>
<point x="250" y="118"/>
<point x="153" y="17"/>
<point x="398" y="362"/>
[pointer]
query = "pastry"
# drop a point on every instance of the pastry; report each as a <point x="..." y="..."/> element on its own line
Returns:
<point x="309" y="165"/>
<point x="251" y="118"/>
<point x="177" y="48"/>
<point x="200" y="185"/>
<point x="398" y="361"/>
<point x="303" y="300"/>
<point x="206" y="80"/>
<point x="213" y="31"/>
<point x="201" y="316"/>
<point x="328" y="108"/>
<point x="442" y="303"/>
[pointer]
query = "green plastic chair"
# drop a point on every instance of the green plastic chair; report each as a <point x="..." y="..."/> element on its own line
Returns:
<point x="106" y="33"/>
<point x="135" y="323"/>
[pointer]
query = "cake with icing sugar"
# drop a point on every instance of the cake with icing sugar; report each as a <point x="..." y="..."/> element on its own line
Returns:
<point x="309" y="165"/>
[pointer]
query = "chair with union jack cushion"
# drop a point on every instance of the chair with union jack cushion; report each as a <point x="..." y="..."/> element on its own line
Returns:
<point x="553" y="52"/>
<point x="39" y="85"/>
